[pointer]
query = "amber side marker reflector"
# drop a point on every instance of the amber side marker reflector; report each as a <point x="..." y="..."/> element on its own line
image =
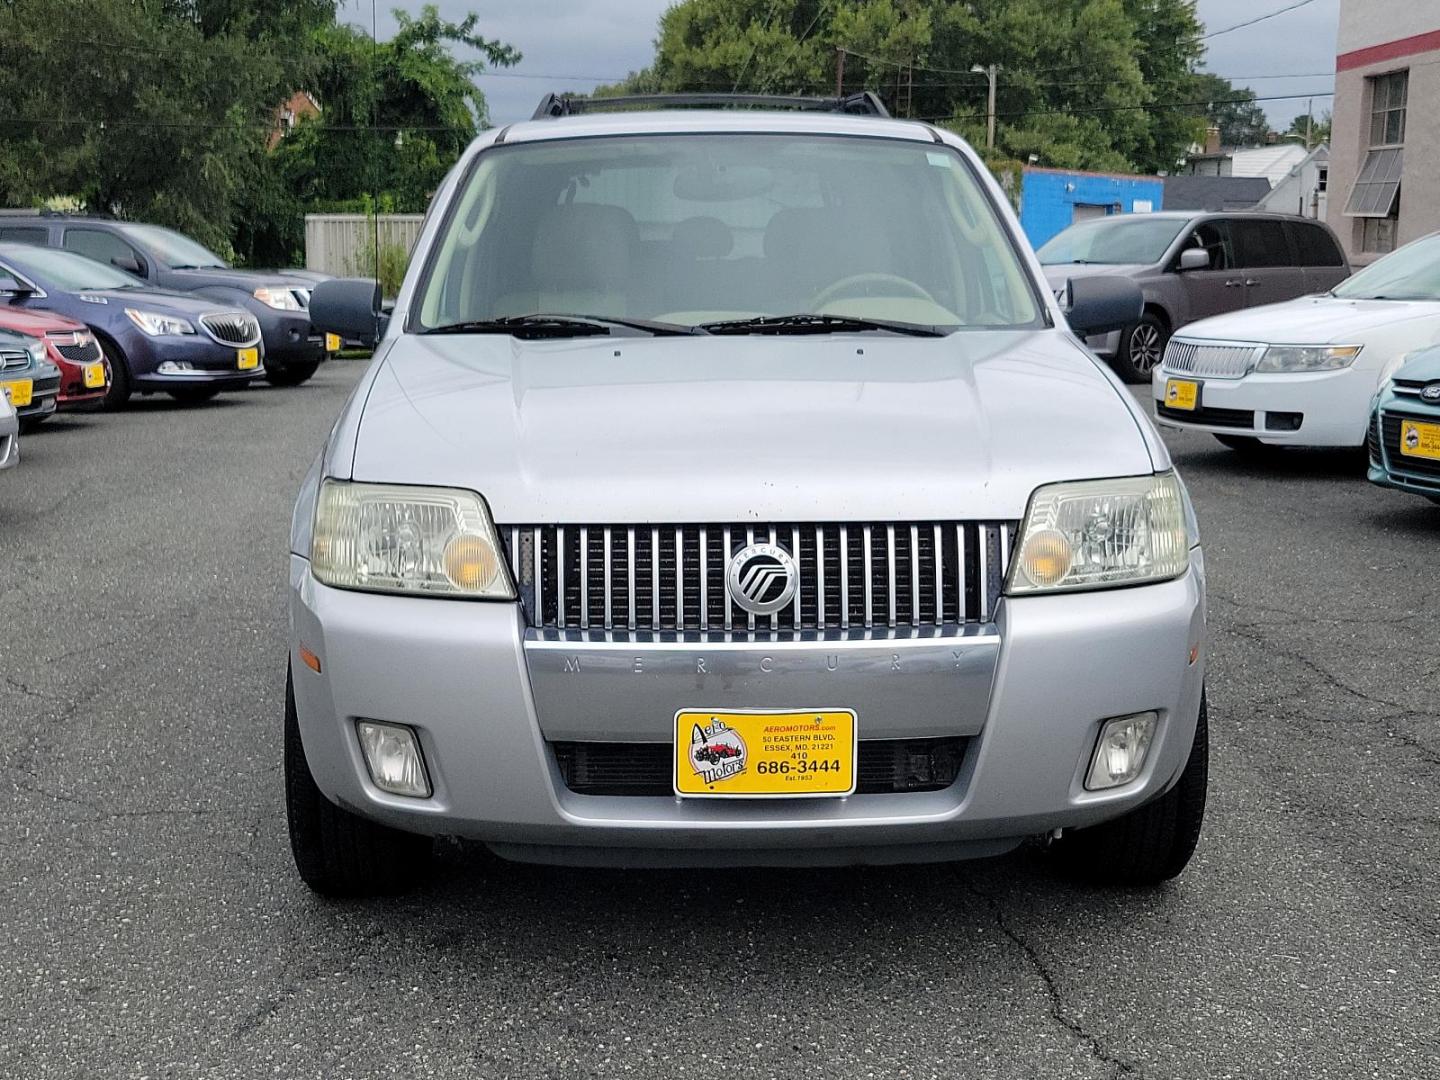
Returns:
<point x="1194" y="654"/>
<point x="310" y="660"/>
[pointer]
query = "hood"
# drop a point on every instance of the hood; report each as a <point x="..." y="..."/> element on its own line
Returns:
<point x="16" y="338"/>
<point x="37" y="323"/>
<point x="768" y="429"/>
<point x="1422" y="366"/>
<point x="1311" y="320"/>
<point x="164" y="301"/>
<point x="1060" y="273"/>
<point x="247" y="280"/>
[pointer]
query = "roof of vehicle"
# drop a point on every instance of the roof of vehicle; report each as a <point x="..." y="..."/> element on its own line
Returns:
<point x="1192" y="215"/>
<point x="696" y="121"/>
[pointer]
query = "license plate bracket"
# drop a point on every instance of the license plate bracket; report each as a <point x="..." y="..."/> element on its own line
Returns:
<point x="1420" y="440"/>
<point x="1183" y="394"/>
<point x="765" y="753"/>
<point x="21" y="392"/>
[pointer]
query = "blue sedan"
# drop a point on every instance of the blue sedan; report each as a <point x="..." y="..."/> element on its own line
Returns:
<point x="157" y="341"/>
<point x="1404" y="438"/>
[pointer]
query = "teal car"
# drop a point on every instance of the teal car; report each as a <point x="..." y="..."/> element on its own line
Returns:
<point x="1404" y="440"/>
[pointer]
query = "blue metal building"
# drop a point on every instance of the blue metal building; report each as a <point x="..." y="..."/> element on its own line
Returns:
<point x="1051" y="199"/>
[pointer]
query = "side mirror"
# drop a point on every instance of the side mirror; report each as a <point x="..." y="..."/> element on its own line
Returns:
<point x="129" y="264"/>
<point x="1194" y="259"/>
<point x="350" y="307"/>
<point x="12" y="286"/>
<point x="1101" y="304"/>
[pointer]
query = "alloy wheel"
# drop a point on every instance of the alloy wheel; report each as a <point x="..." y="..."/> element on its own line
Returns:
<point x="1145" y="347"/>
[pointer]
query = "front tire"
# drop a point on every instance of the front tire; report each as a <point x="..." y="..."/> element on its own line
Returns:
<point x="1142" y="347"/>
<point x="290" y="374"/>
<point x="120" y="386"/>
<point x="1154" y="842"/>
<point x="336" y="852"/>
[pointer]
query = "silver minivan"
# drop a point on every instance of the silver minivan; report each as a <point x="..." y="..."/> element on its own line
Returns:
<point x="1190" y="266"/>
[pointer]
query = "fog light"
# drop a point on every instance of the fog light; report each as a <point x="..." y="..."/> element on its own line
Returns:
<point x="175" y="367"/>
<point x="392" y="754"/>
<point x="1120" y="751"/>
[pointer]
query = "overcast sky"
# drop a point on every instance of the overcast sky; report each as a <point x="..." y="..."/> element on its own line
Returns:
<point x="602" y="40"/>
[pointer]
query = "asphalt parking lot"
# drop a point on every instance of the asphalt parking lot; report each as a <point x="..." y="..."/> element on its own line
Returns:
<point x="154" y="927"/>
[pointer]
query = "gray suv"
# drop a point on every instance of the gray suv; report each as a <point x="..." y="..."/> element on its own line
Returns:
<point x="1191" y="266"/>
<point x="727" y="488"/>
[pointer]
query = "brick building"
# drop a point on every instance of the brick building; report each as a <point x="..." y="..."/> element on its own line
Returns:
<point x="1385" y="143"/>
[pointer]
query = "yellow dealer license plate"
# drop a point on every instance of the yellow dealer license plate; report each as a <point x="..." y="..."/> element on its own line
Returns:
<point x="764" y="754"/>
<point x="94" y="376"/>
<point x="332" y="342"/>
<point x="1182" y="394"/>
<point x="1419" y="440"/>
<point x="249" y="358"/>
<point x="20" y="393"/>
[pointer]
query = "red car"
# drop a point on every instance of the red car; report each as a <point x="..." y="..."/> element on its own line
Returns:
<point x="70" y="346"/>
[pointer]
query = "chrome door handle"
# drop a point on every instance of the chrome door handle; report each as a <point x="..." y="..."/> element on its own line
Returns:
<point x="1233" y="284"/>
<point x="1252" y="281"/>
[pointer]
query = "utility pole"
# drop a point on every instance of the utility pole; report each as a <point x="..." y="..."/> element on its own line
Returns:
<point x="990" y="72"/>
<point x="1309" y="124"/>
<point x="839" y="71"/>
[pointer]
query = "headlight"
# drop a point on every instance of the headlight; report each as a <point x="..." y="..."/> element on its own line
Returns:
<point x="157" y="325"/>
<point x="37" y="352"/>
<point x="1096" y="534"/>
<point x="280" y="299"/>
<point x="1307" y="357"/>
<point x="420" y="540"/>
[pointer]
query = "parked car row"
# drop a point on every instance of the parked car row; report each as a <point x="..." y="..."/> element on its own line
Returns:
<point x="93" y="311"/>
<point x="1355" y="366"/>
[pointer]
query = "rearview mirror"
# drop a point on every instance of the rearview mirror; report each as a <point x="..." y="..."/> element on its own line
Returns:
<point x="1194" y="259"/>
<point x="350" y="307"/>
<point x="1098" y="305"/>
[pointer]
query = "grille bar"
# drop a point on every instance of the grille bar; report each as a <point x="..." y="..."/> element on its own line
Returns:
<point x="673" y="577"/>
<point x="1211" y="361"/>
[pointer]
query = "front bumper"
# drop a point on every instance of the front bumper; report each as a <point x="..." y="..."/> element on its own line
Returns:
<point x="201" y="361"/>
<point x="459" y="673"/>
<point x="289" y="337"/>
<point x="1326" y="408"/>
<point x="45" y="398"/>
<point x="1388" y="466"/>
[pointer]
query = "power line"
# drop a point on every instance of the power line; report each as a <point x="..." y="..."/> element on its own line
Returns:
<point x="820" y="10"/>
<point x="1153" y="105"/>
<point x="1257" y="19"/>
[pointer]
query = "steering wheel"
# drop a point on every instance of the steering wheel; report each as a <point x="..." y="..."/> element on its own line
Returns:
<point x="846" y="285"/>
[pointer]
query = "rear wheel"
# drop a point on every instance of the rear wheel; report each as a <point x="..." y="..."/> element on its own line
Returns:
<point x="193" y="395"/>
<point x="1142" y="346"/>
<point x="120" y="385"/>
<point x="290" y="374"/>
<point x="339" y="853"/>
<point x="1150" y="844"/>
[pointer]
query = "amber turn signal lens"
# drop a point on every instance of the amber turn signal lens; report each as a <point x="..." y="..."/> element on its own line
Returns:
<point x="1045" y="559"/>
<point x="309" y="659"/>
<point x="471" y="563"/>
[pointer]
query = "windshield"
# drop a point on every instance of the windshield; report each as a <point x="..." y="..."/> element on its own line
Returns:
<point x="1113" y="241"/>
<point x="1412" y="273"/>
<point x="694" y="229"/>
<point x="75" y="273"/>
<point x="174" y="249"/>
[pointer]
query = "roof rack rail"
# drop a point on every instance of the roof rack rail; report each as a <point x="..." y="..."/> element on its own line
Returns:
<point x="865" y="103"/>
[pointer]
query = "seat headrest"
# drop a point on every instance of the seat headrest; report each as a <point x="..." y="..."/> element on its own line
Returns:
<point x="583" y="245"/>
<point x="702" y="238"/>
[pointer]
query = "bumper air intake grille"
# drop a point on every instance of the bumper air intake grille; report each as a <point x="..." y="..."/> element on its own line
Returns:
<point x="672" y="577"/>
<point x="884" y="766"/>
<point x="232" y="328"/>
<point x="1236" y="418"/>
<point x="1401" y="463"/>
<point x="85" y="351"/>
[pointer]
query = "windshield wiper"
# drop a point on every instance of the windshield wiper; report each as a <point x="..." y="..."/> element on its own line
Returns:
<point x="817" y="324"/>
<point x="543" y="325"/>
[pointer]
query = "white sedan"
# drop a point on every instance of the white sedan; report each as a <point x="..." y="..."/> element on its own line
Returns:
<point x="1303" y="373"/>
<point x="9" y="433"/>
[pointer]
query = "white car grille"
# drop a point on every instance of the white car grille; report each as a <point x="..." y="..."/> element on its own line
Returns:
<point x="1211" y="361"/>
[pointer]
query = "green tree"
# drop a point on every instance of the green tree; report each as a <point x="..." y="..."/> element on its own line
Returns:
<point x="1088" y="82"/>
<point x="1312" y="127"/>
<point x="1233" y="109"/>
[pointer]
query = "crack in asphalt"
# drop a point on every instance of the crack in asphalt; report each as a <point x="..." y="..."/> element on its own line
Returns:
<point x="33" y="787"/>
<point x="28" y="691"/>
<point x="1098" y="1050"/>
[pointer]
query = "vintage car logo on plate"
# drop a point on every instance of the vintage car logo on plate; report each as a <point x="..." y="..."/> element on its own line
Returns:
<point x="762" y="579"/>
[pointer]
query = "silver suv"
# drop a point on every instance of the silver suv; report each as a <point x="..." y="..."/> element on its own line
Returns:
<point x="728" y="488"/>
<point x="1191" y="266"/>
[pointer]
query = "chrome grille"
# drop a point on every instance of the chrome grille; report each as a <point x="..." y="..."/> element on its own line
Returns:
<point x="672" y="577"/>
<point x="1211" y="361"/>
<point x="232" y="328"/>
<point x="13" y="359"/>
